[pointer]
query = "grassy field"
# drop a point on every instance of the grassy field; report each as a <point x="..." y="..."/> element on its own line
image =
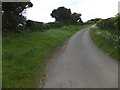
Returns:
<point x="107" y="41"/>
<point x="25" y="55"/>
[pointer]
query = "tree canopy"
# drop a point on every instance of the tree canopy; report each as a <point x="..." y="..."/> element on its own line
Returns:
<point x="12" y="14"/>
<point x="76" y="17"/>
<point x="61" y="14"/>
<point x="64" y="15"/>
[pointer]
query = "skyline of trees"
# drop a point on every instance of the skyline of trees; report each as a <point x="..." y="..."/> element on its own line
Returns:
<point x="12" y="17"/>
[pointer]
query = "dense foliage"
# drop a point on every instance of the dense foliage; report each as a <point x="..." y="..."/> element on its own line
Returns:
<point x="12" y="17"/>
<point x="65" y="16"/>
<point x="14" y="21"/>
<point x="62" y="14"/>
<point x="34" y="26"/>
<point x="94" y="20"/>
<point x="107" y="35"/>
<point x="40" y="26"/>
<point x="111" y="24"/>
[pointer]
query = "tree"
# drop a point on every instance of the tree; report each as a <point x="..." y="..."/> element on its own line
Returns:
<point x="12" y="14"/>
<point x="76" y="18"/>
<point x="62" y="14"/>
<point x="65" y="16"/>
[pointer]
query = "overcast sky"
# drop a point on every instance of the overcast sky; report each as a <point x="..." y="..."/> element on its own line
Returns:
<point x="88" y="8"/>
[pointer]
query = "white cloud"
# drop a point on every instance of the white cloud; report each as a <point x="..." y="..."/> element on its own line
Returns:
<point x="88" y="8"/>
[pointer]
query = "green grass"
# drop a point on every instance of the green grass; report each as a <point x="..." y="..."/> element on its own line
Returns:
<point x="105" y="41"/>
<point x="25" y="55"/>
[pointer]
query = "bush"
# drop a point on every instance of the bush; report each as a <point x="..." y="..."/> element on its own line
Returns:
<point x="34" y="26"/>
<point x="111" y="24"/>
<point x="55" y="24"/>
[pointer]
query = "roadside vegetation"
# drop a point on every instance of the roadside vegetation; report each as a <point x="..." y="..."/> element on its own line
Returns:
<point x="27" y="45"/>
<point x="107" y="37"/>
<point x="25" y="55"/>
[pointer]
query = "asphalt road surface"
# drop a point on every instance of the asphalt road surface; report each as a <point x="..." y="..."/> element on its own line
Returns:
<point x="80" y="64"/>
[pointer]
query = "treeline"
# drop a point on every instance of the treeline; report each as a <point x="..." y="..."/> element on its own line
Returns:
<point x="14" y="21"/>
<point x="93" y="21"/>
<point x="62" y="15"/>
<point x="40" y="26"/>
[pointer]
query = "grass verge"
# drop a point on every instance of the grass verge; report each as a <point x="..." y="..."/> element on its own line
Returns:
<point x="106" y="41"/>
<point x="24" y="55"/>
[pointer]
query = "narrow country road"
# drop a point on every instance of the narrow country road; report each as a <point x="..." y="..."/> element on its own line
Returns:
<point x="80" y="64"/>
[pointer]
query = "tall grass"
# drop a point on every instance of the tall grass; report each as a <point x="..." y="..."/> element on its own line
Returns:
<point x="106" y="40"/>
<point x="24" y="55"/>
